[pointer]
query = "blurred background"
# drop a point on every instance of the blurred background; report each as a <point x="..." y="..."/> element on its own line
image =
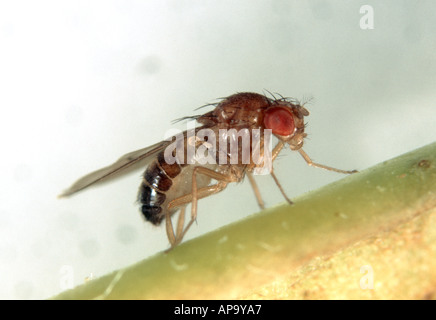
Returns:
<point x="84" y="82"/>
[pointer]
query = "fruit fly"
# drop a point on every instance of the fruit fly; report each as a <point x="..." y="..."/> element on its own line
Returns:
<point x="169" y="183"/>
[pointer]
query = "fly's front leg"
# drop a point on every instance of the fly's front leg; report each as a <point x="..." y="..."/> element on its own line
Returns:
<point x="279" y="146"/>
<point x="313" y="164"/>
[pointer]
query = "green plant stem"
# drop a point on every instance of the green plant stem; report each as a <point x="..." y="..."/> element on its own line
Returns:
<point x="238" y="258"/>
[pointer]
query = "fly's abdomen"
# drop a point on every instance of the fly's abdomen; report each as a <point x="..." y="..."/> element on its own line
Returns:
<point x="152" y="193"/>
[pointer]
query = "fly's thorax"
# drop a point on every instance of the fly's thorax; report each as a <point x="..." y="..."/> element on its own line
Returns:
<point x="239" y="110"/>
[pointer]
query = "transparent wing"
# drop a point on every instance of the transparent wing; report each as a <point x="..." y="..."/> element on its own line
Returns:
<point x="127" y="163"/>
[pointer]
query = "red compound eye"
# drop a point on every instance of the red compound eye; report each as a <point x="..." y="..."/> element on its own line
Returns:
<point x="280" y="121"/>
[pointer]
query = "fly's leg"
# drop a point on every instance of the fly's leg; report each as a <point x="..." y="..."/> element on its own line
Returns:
<point x="180" y="223"/>
<point x="202" y="193"/>
<point x="177" y="237"/>
<point x="217" y="188"/>
<point x="170" y="229"/>
<point x="313" y="164"/>
<point x="221" y="178"/>
<point x="280" y="187"/>
<point x="172" y="237"/>
<point x="197" y="193"/>
<point x="275" y="152"/>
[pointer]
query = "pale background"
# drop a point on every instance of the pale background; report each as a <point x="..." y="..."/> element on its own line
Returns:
<point x="83" y="82"/>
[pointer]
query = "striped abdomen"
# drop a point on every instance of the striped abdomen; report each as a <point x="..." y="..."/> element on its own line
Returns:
<point x="158" y="179"/>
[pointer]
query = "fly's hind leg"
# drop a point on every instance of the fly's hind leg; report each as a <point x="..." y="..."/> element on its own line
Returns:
<point x="193" y="197"/>
<point x="223" y="180"/>
<point x="174" y="236"/>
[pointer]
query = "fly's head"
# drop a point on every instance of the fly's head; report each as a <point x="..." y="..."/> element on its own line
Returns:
<point x="286" y="120"/>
